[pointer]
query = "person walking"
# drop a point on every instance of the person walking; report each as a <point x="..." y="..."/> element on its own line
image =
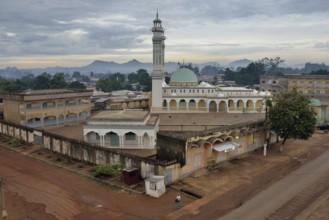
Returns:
<point x="178" y="200"/>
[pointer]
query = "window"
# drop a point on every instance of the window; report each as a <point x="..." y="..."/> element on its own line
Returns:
<point x="274" y="82"/>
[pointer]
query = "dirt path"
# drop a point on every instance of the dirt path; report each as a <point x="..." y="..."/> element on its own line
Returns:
<point x="42" y="191"/>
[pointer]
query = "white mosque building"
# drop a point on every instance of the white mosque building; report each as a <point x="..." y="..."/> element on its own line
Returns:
<point x="137" y="129"/>
<point x="185" y="94"/>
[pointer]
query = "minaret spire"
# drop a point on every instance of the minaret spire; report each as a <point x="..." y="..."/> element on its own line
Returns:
<point x="158" y="63"/>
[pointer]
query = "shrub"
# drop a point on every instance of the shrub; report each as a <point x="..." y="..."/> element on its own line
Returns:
<point x="107" y="170"/>
<point x="15" y="142"/>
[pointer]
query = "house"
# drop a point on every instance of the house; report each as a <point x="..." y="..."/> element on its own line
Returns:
<point x="40" y="108"/>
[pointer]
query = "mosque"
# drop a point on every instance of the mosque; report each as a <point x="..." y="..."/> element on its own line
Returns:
<point x="191" y="125"/>
<point x="185" y="94"/>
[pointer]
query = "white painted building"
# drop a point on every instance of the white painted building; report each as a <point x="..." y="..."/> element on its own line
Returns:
<point x="122" y="129"/>
<point x="185" y="94"/>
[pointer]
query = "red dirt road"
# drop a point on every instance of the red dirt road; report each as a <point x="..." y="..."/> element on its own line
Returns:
<point x="41" y="191"/>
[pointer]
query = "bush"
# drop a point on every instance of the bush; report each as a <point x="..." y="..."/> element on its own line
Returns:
<point x="107" y="170"/>
<point x="15" y="142"/>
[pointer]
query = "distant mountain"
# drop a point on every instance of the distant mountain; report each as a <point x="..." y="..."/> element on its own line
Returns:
<point x="239" y="63"/>
<point x="99" y="66"/>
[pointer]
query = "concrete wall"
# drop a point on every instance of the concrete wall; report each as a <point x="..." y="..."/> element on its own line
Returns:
<point x="83" y="151"/>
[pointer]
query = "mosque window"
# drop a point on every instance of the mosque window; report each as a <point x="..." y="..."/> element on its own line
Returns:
<point x="202" y="91"/>
<point x="189" y="91"/>
<point x="184" y="90"/>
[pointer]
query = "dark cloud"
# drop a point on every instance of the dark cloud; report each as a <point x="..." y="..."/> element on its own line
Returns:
<point x="38" y="27"/>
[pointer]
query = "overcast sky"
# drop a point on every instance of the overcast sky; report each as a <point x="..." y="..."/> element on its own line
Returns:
<point x="40" y="33"/>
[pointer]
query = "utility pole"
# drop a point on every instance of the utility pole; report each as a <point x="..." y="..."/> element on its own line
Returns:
<point x="4" y="212"/>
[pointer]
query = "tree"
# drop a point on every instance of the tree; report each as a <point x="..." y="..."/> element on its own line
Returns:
<point x="58" y="81"/>
<point x="76" y="85"/>
<point x="271" y="64"/>
<point x="42" y="81"/>
<point x="292" y="116"/>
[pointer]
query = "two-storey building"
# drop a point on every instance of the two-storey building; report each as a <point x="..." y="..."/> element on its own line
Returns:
<point x="40" y="108"/>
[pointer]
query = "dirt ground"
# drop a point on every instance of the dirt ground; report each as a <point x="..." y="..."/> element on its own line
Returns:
<point x="40" y="190"/>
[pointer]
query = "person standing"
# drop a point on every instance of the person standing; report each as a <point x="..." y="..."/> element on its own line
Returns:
<point x="178" y="200"/>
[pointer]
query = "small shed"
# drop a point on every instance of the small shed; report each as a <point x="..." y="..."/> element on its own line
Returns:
<point x="155" y="186"/>
<point x="130" y="176"/>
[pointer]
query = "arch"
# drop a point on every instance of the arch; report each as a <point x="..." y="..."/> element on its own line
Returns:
<point x="259" y="105"/>
<point x="34" y="122"/>
<point x="137" y="104"/>
<point x="192" y="145"/>
<point x="204" y="143"/>
<point x="231" y="105"/>
<point x="239" y="105"/>
<point x="192" y="104"/>
<point x="226" y="137"/>
<point x="250" y="105"/>
<point x="93" y="138"/>
<point x="212" y="106"/>
<point x="182" y="104"/>
<point x="222" y="106"/>
<point x="112" y="139"/>
<point x="49" y="120"/>
<point x="83" y="115"/>
<point x="164" y="104"/>
<point x="202" y="105"/>
<point x="146" y="140"/>
<point x="173" y="104"/>
<point x="71" y="117"/>
<point x="131" y="105"/>
<point x="144" y="104"/>
<point x="130" y="140"/>
<point x="48" y="104"/>
<point x="61" y="119"/>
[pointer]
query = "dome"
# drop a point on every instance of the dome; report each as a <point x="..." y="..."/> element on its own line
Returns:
<point x="315" y="102"/>
<point x="183" y="75"/>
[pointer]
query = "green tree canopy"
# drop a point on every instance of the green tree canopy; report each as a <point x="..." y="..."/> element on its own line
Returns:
<point x="76" y="85"/>
<point x="42" y="81"/>
<point x="292" y="116"/>
<point x="58" y="81"/>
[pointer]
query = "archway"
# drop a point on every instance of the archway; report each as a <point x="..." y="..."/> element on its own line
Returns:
<point x="112" y="139"/>
<point x="93" y="138"/>
<point x="250" y="105"/>
<point x="182" y="104"/>
<point x="202" y="105"/>
<point x="192" y="105"/>
<point x="239" y="105"/>
<point x="212" y="106"/>
<point x="173" y="104"/>
<point x="222" y="106"/>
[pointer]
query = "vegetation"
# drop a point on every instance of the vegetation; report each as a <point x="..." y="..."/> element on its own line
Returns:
<point x="42" y="81"/>
<point x="107" y="170"/>
<point x="291" y="116"/>
<point x="14" y="142"/>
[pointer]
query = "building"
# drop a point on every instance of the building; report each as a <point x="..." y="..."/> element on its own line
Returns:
<point x="185" y="94"/>
<point x="122" y="129"/>
<point x="40" y="108"/>
<point x="310" y="85"/>
<point x="316" y="87"/>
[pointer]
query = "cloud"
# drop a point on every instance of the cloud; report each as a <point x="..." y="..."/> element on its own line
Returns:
<point x="82" y="27"/>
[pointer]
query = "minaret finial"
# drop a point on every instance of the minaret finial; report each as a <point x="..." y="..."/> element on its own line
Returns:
<point x="157" y="13"/>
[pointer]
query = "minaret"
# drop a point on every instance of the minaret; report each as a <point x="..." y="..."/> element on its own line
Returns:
<point x="158" y="64"/>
